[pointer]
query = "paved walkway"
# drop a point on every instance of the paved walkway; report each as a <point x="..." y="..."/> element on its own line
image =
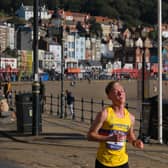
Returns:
<point x="63" y="144"/>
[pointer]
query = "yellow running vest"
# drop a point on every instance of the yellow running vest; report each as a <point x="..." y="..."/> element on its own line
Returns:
<point x="114" y="153"/>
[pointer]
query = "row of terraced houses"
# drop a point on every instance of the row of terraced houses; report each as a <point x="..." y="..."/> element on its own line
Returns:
<point x="115" y="49"/>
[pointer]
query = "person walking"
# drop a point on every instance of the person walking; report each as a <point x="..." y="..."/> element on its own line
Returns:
<point x="70" y="103"/>
<point x="42" y="95"/>
<point x="8" y="91"/>
<point x="1" y="90"/>
<point x="112" y="128"/>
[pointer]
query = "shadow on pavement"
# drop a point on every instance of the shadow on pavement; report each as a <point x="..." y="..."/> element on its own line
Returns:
<point x="14" y="135"/>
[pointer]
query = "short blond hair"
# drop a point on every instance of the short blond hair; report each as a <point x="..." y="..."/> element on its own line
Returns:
<point x="110" y="86"/>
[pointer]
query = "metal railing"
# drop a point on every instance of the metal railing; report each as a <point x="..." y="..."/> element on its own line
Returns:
<point x="84" y="109"/>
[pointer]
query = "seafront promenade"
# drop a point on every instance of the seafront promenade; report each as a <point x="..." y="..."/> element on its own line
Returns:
<point x="62" y="142"/>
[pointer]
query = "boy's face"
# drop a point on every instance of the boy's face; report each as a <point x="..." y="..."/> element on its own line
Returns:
<point x="117" y="94"/>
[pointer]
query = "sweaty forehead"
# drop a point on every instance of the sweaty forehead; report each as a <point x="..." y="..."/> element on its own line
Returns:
<point x="117" y="86"/>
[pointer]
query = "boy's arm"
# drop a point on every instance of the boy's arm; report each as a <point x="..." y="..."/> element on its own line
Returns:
<point x="93" y="134"/>
<point x="131" y="135"/>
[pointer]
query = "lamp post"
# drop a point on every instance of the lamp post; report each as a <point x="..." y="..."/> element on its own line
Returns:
<point x="143" y="75"/>
<point x="141" y="130"/>
<point x="36" y="84"/>
<point x="141" y="84"/>
<point x="0" y="56"/>
<point x="160" y="105"/>
<point x="141" y="56"/>
<point x="58" y="27"/>
<point x="62" y="74"/>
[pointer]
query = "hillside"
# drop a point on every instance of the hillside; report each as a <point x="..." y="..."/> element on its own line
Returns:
<point x="132" y="12"/>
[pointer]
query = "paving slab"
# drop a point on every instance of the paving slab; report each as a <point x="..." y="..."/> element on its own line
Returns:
<point x="63" y="144"/>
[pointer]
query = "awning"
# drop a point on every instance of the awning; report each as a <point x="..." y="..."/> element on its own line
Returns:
<point x="9" y="70"/>
<point x="123" y="70"/>
<point x="132" y="72"/>
<point x="73" y="70"/>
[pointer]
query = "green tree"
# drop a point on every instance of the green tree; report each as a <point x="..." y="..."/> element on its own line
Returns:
<point x="93" y="7"/>
<point x="11" y="52"/>
<point x="148" y="11"/>
<point x="153" y="35"/>
<point x="95" y="28"/>
<point x="53" y="4"/>
<point x="132" y="12"/>
<point x="15" y="5"/>
<point x="74" y="5"/>
<point x="81" y="29"/>
<point x="27" y="2"/>
<point x="165" y="12"/>
<point x="5" y="6"/>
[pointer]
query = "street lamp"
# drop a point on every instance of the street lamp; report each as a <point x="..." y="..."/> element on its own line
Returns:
<point x="141" y="58"/>
<point x="0" y="56"/>
<point x="62" y="73"/>
<point x="160" y="105"/>
<point x="142" y="129"/>
<point x="57" y="30"/>
<point x="36" y="84"/>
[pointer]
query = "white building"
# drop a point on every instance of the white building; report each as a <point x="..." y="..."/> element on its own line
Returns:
<point x="11" y="37"/>
<point x="79" y="47"/>
<point x="7" y="34"/>
<point x="54" y="60"/>
<point x="26" y="12"/>
<point x="7" y="61"/>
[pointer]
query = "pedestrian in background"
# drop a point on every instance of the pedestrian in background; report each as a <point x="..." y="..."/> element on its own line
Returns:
<point x="70" y="102"/>
<point x="112" y="128"/>
<point x="42" y="95"/>
<point x="8" y="91"/>
<point x="1" y="90"/>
